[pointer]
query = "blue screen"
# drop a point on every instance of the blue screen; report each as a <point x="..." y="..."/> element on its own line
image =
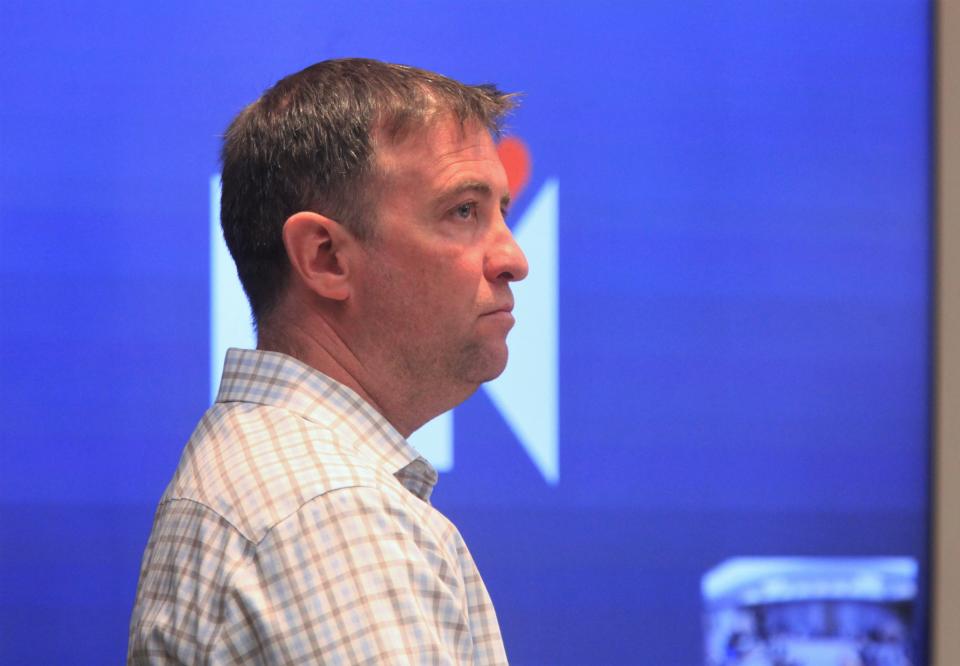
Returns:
<point x="725" y="353"/>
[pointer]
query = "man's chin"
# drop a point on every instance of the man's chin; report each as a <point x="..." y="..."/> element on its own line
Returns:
<point x="486" y="363"/>
<point x="495" y="366"/>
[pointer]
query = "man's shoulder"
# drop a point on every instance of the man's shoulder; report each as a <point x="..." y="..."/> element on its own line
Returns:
<point x="254" y="465"/>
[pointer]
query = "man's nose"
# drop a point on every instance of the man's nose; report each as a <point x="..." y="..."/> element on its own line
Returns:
<point x="505" y="260"/>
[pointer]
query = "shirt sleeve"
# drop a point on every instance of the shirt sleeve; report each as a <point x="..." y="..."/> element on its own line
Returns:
<point x="351" y="578"/>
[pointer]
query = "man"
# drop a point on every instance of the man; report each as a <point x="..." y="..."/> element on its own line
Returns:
<point x="363" y="204"/>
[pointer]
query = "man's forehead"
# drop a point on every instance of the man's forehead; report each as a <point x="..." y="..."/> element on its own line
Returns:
<point x="441" y="161"/>
<point x="442" y="136"/>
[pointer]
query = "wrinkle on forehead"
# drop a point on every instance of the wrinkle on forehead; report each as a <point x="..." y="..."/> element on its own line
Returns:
<point x="433" y="121"/>
<point x="439" y="140"/>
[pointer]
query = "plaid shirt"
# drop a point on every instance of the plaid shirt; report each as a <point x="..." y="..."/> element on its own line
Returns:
<point x="298" y="530"/>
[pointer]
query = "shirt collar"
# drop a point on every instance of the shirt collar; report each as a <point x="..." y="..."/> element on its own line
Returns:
<point x="275" y="379"/>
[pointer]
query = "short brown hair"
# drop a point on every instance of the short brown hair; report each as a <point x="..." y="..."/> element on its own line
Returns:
<point x="306" y="145"/>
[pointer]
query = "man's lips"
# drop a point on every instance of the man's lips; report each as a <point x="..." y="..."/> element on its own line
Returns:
<point x="500" y="316"/>
<point x="507" y="308"/>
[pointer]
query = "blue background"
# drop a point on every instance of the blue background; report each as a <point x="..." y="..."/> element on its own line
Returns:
<point x="744" y="296"/>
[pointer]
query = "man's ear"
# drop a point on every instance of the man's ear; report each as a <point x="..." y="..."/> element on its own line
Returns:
<point x="316" y="247"/>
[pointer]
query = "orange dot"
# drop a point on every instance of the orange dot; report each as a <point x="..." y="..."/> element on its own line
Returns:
<point x="516" y="162"/>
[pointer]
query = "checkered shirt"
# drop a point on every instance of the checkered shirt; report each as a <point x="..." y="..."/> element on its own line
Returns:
<point x="298" y="530"/>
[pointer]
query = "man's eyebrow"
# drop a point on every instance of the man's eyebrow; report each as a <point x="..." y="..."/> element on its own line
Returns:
<point x="477" y="186"/>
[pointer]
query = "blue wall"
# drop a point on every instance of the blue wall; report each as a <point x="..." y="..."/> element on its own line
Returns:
<point x="744" y="305"/>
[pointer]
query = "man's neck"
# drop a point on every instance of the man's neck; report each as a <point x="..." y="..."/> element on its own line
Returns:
<point x="320" y="346"/>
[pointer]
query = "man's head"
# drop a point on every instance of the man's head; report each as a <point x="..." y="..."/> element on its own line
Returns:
<point x="308" y="145"/>
<point x="364" y="206"/>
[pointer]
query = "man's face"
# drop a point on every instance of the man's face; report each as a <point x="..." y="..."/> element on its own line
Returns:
<point x="435" y="281"/>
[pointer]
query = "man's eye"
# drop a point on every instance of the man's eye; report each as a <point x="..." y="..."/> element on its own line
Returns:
<point x="465" y="211"/>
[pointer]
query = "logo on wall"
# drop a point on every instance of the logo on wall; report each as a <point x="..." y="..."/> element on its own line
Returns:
<point x="526" y="394"/>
